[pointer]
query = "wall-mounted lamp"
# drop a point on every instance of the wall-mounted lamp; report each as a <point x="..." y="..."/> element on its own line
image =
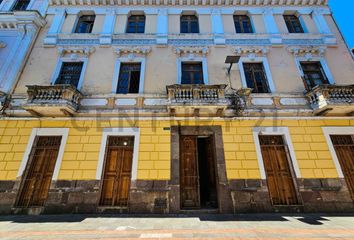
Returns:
<point x="231" y="60"/>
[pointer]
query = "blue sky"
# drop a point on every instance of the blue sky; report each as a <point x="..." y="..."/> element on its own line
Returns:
<point x="343" y="11"/>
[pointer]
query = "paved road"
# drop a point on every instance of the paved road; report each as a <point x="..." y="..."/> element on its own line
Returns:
<point x="247" y="227"/>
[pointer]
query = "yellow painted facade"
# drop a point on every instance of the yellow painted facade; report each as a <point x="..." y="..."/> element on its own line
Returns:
<point x="83" y="145"/>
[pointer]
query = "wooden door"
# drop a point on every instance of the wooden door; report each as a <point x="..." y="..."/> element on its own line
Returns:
<point x="344" y="147"/>
<point x="39" y="171"/>
<point x="279" y="172"/>
<point x="117" y="171"/>
<point x="189" y="177"/>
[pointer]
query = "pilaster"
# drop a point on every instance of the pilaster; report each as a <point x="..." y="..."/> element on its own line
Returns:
<point x="271" y="26"/>
<point x="217" y="27"/>
<point x="108" y="25"/>
<point x="323" y="27"/>
<point x="162" y="27"/>
<point x="55" y="28"/>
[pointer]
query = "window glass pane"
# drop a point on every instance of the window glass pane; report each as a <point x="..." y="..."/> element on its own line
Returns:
<point x="85" y="24"/>
<point x="21" y="5"/>
<point x="313" y="74"/>
<point x="189" y="24"/>
<point x="293" y="24"/>
<point x="256" y="77"/>
<point x="129" y="78"/>
<point x="192" y="73"/>
<point x="136" y="24"/>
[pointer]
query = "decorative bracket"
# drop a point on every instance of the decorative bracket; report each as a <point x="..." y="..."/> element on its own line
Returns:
<point x="131" y="51"/>
<point x="86" y="51"/>
<point x="308" y="52"/>
<point x="191" y="51"/>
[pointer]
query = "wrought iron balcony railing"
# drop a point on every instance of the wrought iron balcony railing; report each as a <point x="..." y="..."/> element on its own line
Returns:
<point x="332" y="99"/>
<point x="52" y="100"/>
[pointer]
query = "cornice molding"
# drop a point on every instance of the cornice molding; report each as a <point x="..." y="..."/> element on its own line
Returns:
<point x="193" y="3"/>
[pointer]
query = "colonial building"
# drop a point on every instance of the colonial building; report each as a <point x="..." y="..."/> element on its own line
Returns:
<point x="170" y="106"/>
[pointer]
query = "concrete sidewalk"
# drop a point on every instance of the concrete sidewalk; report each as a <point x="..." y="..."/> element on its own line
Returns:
<point x="250" y="226"/>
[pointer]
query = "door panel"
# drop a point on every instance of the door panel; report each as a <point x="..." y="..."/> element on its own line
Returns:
<point x="39" y="171"/>
<point x="344" y="147"/>
<point x="278" y="170"/>
<point x="189" y="173"/>
<point x="117" y="171"/>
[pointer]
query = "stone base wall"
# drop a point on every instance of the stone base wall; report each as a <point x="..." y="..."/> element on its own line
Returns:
<point x="161" y="197"/>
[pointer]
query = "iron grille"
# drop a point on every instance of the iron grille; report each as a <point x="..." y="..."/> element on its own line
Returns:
<point x="70" y="73"/>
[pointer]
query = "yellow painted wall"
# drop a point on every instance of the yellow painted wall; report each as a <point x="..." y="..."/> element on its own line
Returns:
<point x="83" y="145"/>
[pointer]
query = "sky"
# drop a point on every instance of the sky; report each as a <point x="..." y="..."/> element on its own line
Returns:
<point x="343" y="11"/>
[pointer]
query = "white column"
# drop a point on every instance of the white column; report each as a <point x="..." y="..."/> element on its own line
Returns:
<point x="162" y="27"/>
<point x="108" y="26"/>
<point x="55" y="28"/>
<point x="320" y="22"/>
<point x="217" y="27"/>
<point x="323" y="27"/>
<point x="271" y="26"/>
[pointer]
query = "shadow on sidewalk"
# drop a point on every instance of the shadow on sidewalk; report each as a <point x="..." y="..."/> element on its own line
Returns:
<point x="311" y="219"/>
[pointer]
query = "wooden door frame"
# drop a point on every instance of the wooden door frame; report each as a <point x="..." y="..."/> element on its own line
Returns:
<point x="290" y="153"/>
<point x="103" y="171"/>
<point x="27" y="160"/>
<point x="225" y="204"/>
<point x="292" y="172"/>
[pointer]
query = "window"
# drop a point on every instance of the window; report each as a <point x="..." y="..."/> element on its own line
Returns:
<point x="129" y="78"/>
<point x="293" y="24"/>
<point x="20" y="5"/>
<point x="189" y="24"/>
<point x="85" y="24"/>
<point x="192" y="73"/>
<point x="243" y="24"/>
<point x="70" y="73"/>
<point x="313" y="74"/>
<point x="256" y="77"/>
<point x="136" y="24"/>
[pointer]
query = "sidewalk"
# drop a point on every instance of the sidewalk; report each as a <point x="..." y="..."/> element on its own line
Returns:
<point x="248" y="227"/>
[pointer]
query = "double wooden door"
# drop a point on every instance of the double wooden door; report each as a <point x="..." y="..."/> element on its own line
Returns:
<point x="280" y="180"/>
<point x="39" y="171"/>
<point x="190" y="176"/>
<point x="344" y="147"/>
<point x="117" y="171"/>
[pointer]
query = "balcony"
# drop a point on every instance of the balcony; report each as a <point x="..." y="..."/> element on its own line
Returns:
<point x="55" y="100"/>
<point x="332" y="100"/>
<point x="196" y="100"/>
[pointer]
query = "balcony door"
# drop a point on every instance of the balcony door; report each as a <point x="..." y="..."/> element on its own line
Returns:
<point x="344" y="147"/>
<point x="256" y="77"/>
<point x="39" y="171"/>
<point x="278" y="168"/>
<point x="192" y="73"/>
<point x="129" y="78"/>
<point x="313" y="74"/>
<point x="117" y="171"/>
